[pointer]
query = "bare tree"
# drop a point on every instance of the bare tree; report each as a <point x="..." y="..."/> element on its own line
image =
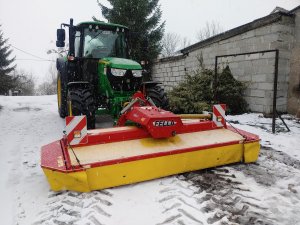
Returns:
<point x="185" y="42"/>
<point x="52" y="73"/>
<point x="58" y="52"/>
<point x="24" y="82"/>
<point x="48" y="87"/>
<point x="170" y="43"/>
<point x="210" y="29"/>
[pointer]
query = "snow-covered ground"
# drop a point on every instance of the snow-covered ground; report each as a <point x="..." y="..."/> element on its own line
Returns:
<point x="266" y="192"/>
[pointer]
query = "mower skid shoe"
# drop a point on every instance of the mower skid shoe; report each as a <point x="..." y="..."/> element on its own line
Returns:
<point x="75" y="181"/>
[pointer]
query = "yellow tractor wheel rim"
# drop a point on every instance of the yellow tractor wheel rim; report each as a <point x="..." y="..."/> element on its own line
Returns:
<point x="70" y="108"/>
<point x="58" y="91"/>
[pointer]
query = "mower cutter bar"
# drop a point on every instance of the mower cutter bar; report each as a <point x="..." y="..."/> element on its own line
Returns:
<point x="125" y="155"/>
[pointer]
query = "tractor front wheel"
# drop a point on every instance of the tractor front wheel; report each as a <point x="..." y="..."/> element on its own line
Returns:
<point x="81" y="102"/>
<point x="158" y="96"/>
<point x="61" y="97"/>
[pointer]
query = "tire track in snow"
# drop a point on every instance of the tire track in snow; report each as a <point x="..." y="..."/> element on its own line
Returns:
<point x="278" y="175"/>
<point x="233" y="194"/>
<point x="210" y="196"/>
<point x="179" y="202"/>
<point x="72" y="208"/>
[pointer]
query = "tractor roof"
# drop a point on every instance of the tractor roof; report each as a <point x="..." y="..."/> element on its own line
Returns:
<point x="103" y="24"/>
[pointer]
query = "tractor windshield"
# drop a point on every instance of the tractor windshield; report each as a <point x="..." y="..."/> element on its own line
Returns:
<point x="104" y="43"/>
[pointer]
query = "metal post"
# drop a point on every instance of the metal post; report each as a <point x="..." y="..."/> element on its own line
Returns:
<point x="275" y="91"/>
<point x="275" y="77"/>
<point x="215" y="80"/>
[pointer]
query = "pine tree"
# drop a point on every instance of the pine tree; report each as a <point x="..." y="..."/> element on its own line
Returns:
<point x="143" y="18"/>
<point x="6" y="81"/>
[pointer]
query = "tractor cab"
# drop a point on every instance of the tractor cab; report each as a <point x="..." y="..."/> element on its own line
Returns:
<point x="100" y="43"/>
<point x="95" y="40"/>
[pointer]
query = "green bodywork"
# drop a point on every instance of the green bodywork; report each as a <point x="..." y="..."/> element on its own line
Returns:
<point x="120" y="63"/>
<point x="116" y="99"/>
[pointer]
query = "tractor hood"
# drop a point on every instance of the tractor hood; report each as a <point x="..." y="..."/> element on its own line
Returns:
<point x="121" y="63"/>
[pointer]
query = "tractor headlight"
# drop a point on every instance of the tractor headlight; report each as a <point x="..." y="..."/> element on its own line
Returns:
<point x="117" y="72"/>
<point x="137" y="73"/>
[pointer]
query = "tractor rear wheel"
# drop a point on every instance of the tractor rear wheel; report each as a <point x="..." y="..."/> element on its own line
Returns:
<point x="158" y="96"/>
<point x="81" y="102"/>
<point x="61" y="97"/>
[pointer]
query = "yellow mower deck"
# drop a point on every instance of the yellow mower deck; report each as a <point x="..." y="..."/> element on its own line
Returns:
<point x="125" y="162"/>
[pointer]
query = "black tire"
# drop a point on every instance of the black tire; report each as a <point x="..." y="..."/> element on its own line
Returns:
<point x="61" y="96"/>
<point x="81" y="102"/>
<point x="158" y="96"/>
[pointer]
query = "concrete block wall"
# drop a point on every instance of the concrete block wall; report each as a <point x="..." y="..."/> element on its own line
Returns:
<point x="257" y="70"/>
<point x="294" y="78"/>
<point x="169" y="71"/>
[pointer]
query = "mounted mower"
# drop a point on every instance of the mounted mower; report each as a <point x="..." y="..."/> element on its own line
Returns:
<point x="159" y="143"/>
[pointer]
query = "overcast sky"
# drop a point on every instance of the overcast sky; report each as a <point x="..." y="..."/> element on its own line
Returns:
<point x="31" y="24"/>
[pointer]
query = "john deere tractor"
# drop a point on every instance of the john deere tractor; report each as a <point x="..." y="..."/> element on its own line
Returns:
<point x="97" y="75"/>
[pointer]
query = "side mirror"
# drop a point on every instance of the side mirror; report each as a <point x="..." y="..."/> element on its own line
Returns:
<point x="61" y="36"/>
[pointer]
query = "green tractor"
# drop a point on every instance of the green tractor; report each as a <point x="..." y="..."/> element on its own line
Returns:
<point x="96" y="76"/>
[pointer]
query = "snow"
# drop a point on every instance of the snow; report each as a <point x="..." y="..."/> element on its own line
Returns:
<point x="27" y="123"/>
<point x="288" y="142"/>
<point x="264" y="192"/>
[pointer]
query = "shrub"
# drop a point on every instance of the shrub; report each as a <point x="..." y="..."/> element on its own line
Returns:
<point x="230" y="91"/>
<point x="195" y="93"/>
